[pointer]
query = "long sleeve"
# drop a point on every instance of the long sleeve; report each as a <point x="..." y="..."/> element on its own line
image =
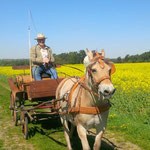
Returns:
<point x="35" y="59"/>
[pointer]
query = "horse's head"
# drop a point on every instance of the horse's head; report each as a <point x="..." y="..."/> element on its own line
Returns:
<point x="98" y="72"/>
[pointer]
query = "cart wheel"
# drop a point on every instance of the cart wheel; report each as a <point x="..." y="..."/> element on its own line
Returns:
<point x="25" y="127"/>
<point x="11" y="104"/>
<point x="15" y="113"/>
<point x="15" y="117"/>
<point x="12" y="113"/>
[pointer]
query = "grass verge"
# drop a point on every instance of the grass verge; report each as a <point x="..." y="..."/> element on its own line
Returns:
<point x="130" y="117"/>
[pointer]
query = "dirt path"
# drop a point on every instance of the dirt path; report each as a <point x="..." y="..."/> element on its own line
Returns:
<point x="13" y="141"/>
<point x="118" y="142"/>
<point x="111" y="141"/>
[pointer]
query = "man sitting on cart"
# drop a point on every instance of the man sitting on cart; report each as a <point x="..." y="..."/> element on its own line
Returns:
<point x="42" y="59"/>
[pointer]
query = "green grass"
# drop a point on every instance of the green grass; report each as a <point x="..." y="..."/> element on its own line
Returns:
<point x="3" y="79"/>
<point x="43" y="135"/>
<point x="131" y="120"/>
<point x="131" y="116"/>
<point x="1" y="145"/>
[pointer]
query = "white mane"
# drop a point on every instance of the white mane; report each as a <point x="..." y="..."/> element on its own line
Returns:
<point x="86" y="61"/>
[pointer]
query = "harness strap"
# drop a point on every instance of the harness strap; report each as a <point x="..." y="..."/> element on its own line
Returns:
<point x="76" y="105"/>
<point x="97" y="57"/>
<point x="85" y="110"/>
<point x="88" y="110"/>
<point x="84" y="86"/>
<point x="74" y="87"/>
<point x="63" y="82"/>
<point x="102" y="78"/>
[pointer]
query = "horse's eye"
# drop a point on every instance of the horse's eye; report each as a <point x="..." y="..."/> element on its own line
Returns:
<point x="94" y="70"/>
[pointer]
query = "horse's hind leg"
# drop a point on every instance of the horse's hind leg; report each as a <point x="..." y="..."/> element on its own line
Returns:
<point x="66" y="132"/>
<point x="83" y="137"/>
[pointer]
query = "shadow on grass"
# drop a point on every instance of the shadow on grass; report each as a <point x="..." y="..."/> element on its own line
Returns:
<point x="76" y="143"/>
<point x="52" y="125"/>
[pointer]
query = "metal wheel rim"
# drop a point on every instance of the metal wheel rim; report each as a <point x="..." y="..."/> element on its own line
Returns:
<point x="11" y="105"/>
<point x="15" y="117"/>
<point x="25" y="128"/>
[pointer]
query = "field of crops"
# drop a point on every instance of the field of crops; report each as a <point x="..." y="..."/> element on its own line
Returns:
<point x="129" y="77"/>
<point x="130" y="113"/>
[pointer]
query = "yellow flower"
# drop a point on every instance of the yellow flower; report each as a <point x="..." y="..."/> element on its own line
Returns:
<point x="112" y="115"/>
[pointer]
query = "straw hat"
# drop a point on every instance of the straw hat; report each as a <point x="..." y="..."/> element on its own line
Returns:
<point x="40" y="36"/>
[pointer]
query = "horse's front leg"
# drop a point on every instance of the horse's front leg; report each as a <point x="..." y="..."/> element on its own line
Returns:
<point x="72" y="129"/>
<point x="83" y="137"/>
<point x="66" y="132"/>
<point x="98" y="139"/>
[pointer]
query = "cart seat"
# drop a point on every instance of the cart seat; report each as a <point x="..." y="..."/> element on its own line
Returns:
<point x="45" y="75"/>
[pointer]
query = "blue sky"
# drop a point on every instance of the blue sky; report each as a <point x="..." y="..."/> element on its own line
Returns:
<point x="120" y="27"/>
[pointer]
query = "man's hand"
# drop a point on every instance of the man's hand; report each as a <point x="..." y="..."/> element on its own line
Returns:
<point x="46" y="60"/>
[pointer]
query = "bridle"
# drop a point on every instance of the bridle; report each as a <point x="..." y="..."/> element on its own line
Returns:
<point x="87" y="110"/>
<point x="98" y="58"/>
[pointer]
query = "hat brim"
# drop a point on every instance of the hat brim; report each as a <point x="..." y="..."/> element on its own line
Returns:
<point x="41" y="38"/>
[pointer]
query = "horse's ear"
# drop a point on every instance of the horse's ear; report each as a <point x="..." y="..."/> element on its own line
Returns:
<point x="89" y="54"/>
<point x="103" y="52"/>
<point x="113" y="69"/>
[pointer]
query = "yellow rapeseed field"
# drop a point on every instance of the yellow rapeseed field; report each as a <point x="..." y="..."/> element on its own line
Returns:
<point x="132" y="76"/>
<point x="8" y="71"/>
<point x="130" y="111"/>
<point x="128" y="76"/>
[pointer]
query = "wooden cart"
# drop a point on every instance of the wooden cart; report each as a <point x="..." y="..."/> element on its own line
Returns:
<point x="40" y="95"/>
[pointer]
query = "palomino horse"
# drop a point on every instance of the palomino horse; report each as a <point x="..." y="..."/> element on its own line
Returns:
<point x="86" y="100"/>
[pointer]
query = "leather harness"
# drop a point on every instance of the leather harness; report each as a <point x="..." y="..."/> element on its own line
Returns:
<point x="81" y="82"/>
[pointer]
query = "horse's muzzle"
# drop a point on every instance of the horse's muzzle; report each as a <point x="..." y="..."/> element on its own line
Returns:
<point x="107" y="91"/>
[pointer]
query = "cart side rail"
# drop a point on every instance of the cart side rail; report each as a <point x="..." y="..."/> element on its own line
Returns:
<point x="12" y="85"/>
<point x="16" y="93"/>
<point x="43" y="88"/>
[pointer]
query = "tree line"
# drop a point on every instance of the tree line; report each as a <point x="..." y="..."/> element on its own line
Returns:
<point x="144" y="57"/>
<point x="63" y="58"/>
<point x="14" y="62"/>
<point x="77" y="58"/>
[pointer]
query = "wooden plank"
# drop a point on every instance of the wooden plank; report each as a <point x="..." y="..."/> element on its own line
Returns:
<point x="27" y="79"/>
<point x="16" y="92"/>
<point x="20" y="67"/>
<point x="43" y="88"/>
<point x="23" y="79"/>
<point x="58" y="66"/>
<point x="12" y="85"/>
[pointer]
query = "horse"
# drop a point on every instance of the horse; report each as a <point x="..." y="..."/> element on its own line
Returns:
<point x="86" y="100"/>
